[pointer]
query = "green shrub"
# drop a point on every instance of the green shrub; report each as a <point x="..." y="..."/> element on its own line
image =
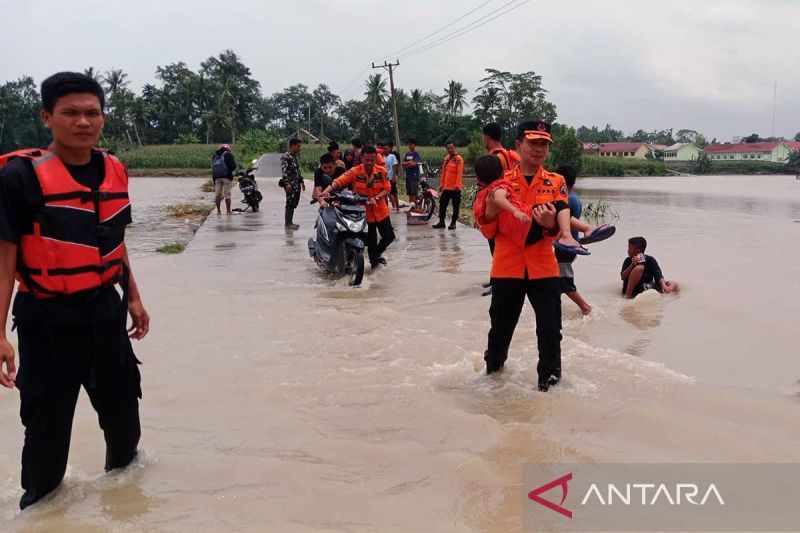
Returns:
<point x="187" y="138"/>
<point x="618" y="167"/>
<point x="171" y="248"/>
<point x="253" y="144"/>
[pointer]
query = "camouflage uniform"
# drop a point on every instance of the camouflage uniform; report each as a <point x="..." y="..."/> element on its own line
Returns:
<point x="290" y="170"/>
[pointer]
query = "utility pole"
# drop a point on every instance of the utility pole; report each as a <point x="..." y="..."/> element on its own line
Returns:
<point x="390" y="67"/>
<point x="309" y="117"/>
<point x="774" y="101"/>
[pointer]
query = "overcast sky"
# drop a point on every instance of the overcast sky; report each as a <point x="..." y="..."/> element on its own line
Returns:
<point x="708" y="65"/>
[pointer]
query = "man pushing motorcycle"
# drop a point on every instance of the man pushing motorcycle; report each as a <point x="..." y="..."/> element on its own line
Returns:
<point x="372" y="181"/>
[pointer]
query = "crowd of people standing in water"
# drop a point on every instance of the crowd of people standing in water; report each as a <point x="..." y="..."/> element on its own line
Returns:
<point x="530" y="217"/>
<point x="63" y="214"/>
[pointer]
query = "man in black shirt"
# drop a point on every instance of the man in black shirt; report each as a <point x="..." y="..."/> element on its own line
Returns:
<point x="60" y="208"/>
<point x="327" y="172"/>
<point x="641" y="272"/>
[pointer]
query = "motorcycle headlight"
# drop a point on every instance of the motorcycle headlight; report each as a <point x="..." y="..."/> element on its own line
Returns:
<point x="340" y="226"/>
<point x="356" y="226"/>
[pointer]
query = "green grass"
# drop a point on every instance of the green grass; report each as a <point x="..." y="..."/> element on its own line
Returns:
<point x="189" y="210"/>
<point x="169" y="156"/>
<point x="171" y="248"/>
<point x="617" y="166"/>
<point x="745" y="168"/>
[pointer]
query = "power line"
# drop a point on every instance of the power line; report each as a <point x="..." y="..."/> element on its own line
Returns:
<point x="357" y="78"/>
<point x="418" y="41"/>
<point x="466" y="29"/>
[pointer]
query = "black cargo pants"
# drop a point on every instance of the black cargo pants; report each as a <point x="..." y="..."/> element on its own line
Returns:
<point x="55" y="361"/>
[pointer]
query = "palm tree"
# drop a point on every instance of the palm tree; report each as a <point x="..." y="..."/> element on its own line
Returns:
<point x="455" y="97"/>
<point x="92" y="73"/>
<point x="376" y="93"/>
<point x="115" y="80"/>
<point x="417" y="101"/>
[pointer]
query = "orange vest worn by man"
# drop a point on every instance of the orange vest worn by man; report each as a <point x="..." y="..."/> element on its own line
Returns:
<point x="369" y="185"/>
<point x="452" y="172"/>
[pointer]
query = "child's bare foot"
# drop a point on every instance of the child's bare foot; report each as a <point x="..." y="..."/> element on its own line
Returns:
<point x="586" y="309"/>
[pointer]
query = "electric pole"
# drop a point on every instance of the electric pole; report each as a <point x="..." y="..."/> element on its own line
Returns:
<point x="390" y="67"/>
<point x="774" y="101"/>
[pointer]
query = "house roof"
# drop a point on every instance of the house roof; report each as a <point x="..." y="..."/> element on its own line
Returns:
<point x="794" y="145"/>
<point x="741" y="148"/>
<point x="677" y="146"/>
<point x="611" y="148"/>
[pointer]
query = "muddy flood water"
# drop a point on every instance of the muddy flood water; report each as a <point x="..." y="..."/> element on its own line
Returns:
<point x="277" y="399"/>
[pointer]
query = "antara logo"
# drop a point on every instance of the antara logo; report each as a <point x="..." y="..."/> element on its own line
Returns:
<point x="645" y="494"/>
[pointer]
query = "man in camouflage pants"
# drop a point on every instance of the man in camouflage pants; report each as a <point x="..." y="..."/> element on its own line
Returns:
<point x="291" y="181"/>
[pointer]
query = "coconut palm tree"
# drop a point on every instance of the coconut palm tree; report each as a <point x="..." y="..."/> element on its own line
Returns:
<point x="115" y="80"/>
<point x="376" y="93"/>
<point x="93" y="73"/>
<point x="455" y="96"/>
<point x="417" y="100"/>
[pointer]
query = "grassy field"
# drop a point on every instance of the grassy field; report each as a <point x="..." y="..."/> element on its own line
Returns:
<point x="617" y="166"/>
<point x="195" y="159"/>
<point x="169" y="156"/>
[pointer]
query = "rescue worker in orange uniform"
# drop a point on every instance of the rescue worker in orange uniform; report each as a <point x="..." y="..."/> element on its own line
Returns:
<point x="452" y="172"/>
<point x="372" y="181"/>
<point x="63" y="213"/>
<point x="530" y="270"/>
<point x="492" y="141"/>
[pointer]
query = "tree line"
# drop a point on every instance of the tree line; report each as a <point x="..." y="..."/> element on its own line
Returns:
<point x="221" y="101"/>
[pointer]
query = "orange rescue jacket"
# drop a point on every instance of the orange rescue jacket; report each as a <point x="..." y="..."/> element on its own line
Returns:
<point x="78" y="238"/>
<point x="452" y="172"/>
<point x="511" y="260"/>
<point x="368" y="185"/>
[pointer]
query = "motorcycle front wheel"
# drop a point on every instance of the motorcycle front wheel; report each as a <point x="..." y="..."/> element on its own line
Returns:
<point x="428" y="205"/>
<point x="357" y="267"/>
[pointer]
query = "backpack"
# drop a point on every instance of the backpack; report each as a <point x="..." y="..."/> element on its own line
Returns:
<point x="218" y="167"/>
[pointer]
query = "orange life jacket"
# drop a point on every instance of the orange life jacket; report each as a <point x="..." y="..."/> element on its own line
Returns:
<point x="510" y="260"/>
<point x="78" y="237"/>
<point x="452" y="171"/>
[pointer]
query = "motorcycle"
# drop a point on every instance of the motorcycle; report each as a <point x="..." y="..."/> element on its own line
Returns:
<point x="423" y="207"/>
<point x="341" y="235"/>
<point x="249" y="187"/>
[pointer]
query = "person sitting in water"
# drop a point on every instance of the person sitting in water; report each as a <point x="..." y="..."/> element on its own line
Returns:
<point x="641" y="272"/>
